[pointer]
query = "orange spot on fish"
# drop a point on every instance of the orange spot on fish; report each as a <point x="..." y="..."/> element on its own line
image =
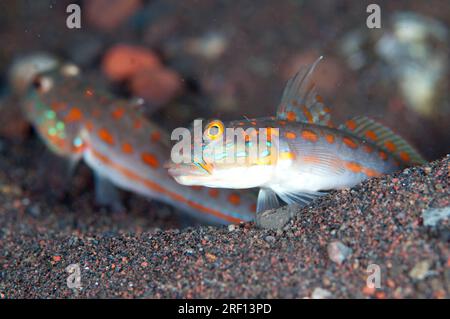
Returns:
<point x="155" y="136"/>
<point x="74" y="115"/>
<point x="127" y="148"/>
<point x="137" y="124"/>
<point x="404" y="157"/>
<point x="213" y="192"/>
<point x="309" y="135"/>
<point x="351" y="125"/>
<point x="307" y="114"/>
<point x="291" y="116"/>
<point x="319" y="99"/>
<point x="150" y="160"/>
<point x="253" y="123"/>
<point x="329" y="138"/>
<point x="350" y="142"/>
<point x="58" y="106"/>
<point x="371" y="135"/>
<point x="290" y="135"/>
<point x="383" y="155"/>
<point x="106" y="136"/>
<point x="89" y="126"/>
<point x="282" y="123"/>
<point x="253" y="207"/>
<point x="353" y="166"/>
<point x="196" y="187"/>
<point x="118" y="113"/>
<point x="367" y="148"/>
<point x="390" y="146"/>
<point x="96" y="113"/>
<point x="234" y="199"/>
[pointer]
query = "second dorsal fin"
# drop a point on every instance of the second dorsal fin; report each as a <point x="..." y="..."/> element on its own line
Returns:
<point x="300" y="102"/>
<point x="384" y="138"/>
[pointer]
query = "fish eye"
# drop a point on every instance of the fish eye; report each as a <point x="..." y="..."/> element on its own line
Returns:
<point x="42" y="84"/>
<point x="214" y="130"/>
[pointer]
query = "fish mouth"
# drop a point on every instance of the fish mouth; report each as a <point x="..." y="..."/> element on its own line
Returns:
<point x="183" y="170"/>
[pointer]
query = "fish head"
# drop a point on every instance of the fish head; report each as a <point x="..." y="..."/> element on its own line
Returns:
<point x="44" y="106"/>
<point x="226" y="155"/>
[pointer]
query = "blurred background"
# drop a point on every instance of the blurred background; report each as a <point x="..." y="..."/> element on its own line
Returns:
<point x="228" y="59"/>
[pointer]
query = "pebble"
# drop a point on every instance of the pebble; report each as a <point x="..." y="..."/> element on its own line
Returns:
<point x="420" y="270"/>
<point x="320" y="293"/>
<point x="123" y="61"/>
<point x="109" y="14"/>
<point x="433" y="216"/>
<point x="338" y="252"/>
<point x="157" y="86"/>
<point x="270" y="239"/>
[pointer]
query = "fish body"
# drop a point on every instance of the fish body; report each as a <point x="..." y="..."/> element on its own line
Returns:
<point x="306" y="156"/>
<point x="77" y="121"/>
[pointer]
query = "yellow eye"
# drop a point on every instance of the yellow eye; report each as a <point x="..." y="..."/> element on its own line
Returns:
<point x="214" y="130"/>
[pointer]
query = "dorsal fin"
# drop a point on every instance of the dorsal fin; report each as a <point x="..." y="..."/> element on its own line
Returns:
<point x="300" y="102"/>
<point x="384" y="138"/>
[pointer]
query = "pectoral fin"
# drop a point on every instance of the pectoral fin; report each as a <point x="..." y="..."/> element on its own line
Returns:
<point x="267" y="199"/>
<point x="302" y="199"/>
<point x="106" y="194"/>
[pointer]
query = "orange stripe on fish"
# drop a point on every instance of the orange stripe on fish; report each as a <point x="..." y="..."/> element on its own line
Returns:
<point x="156" y="187"/>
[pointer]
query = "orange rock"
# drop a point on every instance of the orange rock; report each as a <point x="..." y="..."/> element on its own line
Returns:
<point x="368" y="291"/>
<point x="157" y="86"/>
<point x="122" y="61"/>
<point x="109" y="14"/>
